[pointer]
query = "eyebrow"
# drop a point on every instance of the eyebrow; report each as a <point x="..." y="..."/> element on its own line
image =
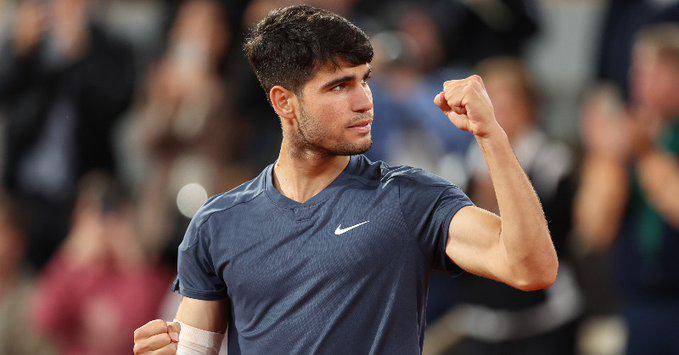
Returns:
<point x="344" y="79"/>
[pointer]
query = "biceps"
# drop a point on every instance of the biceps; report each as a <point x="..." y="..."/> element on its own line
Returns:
<point x="474" y="242"/>
<point x="205" y="315"/>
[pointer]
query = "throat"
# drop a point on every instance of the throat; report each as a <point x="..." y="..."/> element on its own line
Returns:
<point x="300" y="179"/>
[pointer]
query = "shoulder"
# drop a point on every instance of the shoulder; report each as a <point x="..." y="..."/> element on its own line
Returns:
<point x="381" y="173"/>
<point x="219" y="206"/>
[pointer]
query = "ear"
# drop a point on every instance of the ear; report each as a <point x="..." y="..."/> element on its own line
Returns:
<point x="283" y="102"/>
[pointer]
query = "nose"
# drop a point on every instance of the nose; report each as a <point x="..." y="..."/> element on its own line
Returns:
<point x="362" y="99"/>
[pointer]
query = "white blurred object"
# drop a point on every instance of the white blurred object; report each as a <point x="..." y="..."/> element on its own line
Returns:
<point x="604" y="335"/>
<point x="190" y="197"/>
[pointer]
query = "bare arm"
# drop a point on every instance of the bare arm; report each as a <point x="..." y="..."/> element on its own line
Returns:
<point x="659" y="178"/>
<point x="207" y="315"/>
<point x="160" y="337"/>
<point x="600" y="201"/>
<point x="517" y="248"/>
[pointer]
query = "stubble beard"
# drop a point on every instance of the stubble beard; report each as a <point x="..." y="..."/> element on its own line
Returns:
<point x="311" y="137"/>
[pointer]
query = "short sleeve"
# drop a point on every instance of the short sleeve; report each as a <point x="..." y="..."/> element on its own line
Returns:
<point x="196" y="276"/>
<point x="429" y="203"/>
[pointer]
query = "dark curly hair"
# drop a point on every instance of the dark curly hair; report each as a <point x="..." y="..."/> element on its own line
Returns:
<point x="290" y="44"/>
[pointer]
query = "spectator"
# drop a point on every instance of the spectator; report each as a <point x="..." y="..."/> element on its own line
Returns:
<point x="101" y="285"/>
<point x="627" y="196"/>
<point x="63" y="84"/>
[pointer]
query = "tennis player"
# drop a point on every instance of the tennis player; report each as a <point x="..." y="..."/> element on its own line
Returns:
<point x="326" y="251"/>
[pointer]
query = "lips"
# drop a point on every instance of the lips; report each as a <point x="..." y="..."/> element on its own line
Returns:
<point x="362" y="126"/>
<point x="362" y="123"/>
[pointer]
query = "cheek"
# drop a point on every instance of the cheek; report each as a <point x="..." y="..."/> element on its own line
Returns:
<point x="331" y="114"/>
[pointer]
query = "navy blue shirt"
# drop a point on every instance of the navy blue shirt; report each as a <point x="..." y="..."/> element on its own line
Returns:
<point x="345" y="272"/>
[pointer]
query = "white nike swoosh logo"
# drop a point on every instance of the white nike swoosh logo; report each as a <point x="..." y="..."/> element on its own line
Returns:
<point x="340" y="230"/>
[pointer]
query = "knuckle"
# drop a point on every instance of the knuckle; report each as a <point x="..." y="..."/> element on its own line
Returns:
<point x="138" y="332"/>
<point x="157" y="322"/>
<point x="158" y="325"/>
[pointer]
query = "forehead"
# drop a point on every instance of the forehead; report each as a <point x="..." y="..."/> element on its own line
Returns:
<point x="331" y="72"/>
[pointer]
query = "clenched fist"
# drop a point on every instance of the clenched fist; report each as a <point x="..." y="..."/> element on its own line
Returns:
<point x="468" y="106"/>
<point x="157" y="337"/>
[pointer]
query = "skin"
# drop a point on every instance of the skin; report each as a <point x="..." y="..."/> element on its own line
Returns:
<point x="623" y="138"/>
<point x="319" y="130"/>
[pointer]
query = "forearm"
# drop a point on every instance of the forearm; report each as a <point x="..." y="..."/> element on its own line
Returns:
<point x="659" y="178"/>
<point x="600" y="200"/>
<point x="524" y="233"/>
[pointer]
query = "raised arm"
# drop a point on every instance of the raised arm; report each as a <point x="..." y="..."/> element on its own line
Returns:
<point x="515" y="248"/>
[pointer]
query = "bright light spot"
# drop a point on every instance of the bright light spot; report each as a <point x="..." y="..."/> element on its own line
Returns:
<point x="190" y="198"/>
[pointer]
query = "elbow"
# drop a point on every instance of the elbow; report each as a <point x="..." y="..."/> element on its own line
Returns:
<point x="538" y="273"/>
<point x="541" y="281"/>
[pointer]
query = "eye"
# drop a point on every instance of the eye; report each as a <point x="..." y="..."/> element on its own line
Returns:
<point x="339" y="87"/>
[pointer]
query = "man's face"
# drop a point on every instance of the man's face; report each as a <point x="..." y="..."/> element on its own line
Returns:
<point x="655" y="81"/>
<point x="336" y="111"/>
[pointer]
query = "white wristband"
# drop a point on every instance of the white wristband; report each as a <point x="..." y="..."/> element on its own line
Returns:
<point x="194" y="341"/>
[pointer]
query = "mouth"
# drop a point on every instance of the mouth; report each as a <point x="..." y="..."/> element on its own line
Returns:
<point x="362" y="126"/>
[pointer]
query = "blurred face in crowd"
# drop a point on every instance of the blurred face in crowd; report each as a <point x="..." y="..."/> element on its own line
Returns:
<point x="513" y="106"/>
<point x="655" y="81"/>
<point x="199" y="34"/>
<point x="336" y="111"/>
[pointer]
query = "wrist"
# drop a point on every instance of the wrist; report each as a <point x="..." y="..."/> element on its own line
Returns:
<point x="648" y="159"/>
<point x="610" y="157"/>
<point x="494" y="135"/>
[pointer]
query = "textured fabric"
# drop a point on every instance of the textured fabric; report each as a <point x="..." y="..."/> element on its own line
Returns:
<point x="345" y="272"/>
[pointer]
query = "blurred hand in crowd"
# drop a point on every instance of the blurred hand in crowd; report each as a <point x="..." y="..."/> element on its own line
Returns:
<point x="30" y="26"/>
<point x="185" y="85"/>
<point x="606" y="125"/>
<point x="606" y="130"/>
<point x="70" y="19"/>
<point x="61" y="24"/>
<point x="103" y="232"/>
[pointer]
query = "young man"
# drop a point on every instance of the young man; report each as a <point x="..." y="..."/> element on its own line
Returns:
<point x="326" y="251"/>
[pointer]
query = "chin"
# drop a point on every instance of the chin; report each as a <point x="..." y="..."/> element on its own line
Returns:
<point x="353" y="148"/>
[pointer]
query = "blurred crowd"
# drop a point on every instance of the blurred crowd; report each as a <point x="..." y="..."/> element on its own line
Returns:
<point x="119" y="118"/>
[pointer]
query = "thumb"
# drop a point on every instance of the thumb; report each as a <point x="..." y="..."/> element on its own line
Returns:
<point x="173" y="329"/>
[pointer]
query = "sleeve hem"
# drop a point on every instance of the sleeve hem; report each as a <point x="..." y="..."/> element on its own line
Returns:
<point x="198" y="294"/>
<point x="451" y="268"/>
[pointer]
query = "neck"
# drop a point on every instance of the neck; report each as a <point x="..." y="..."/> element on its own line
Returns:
<point x="300" y="174"/>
